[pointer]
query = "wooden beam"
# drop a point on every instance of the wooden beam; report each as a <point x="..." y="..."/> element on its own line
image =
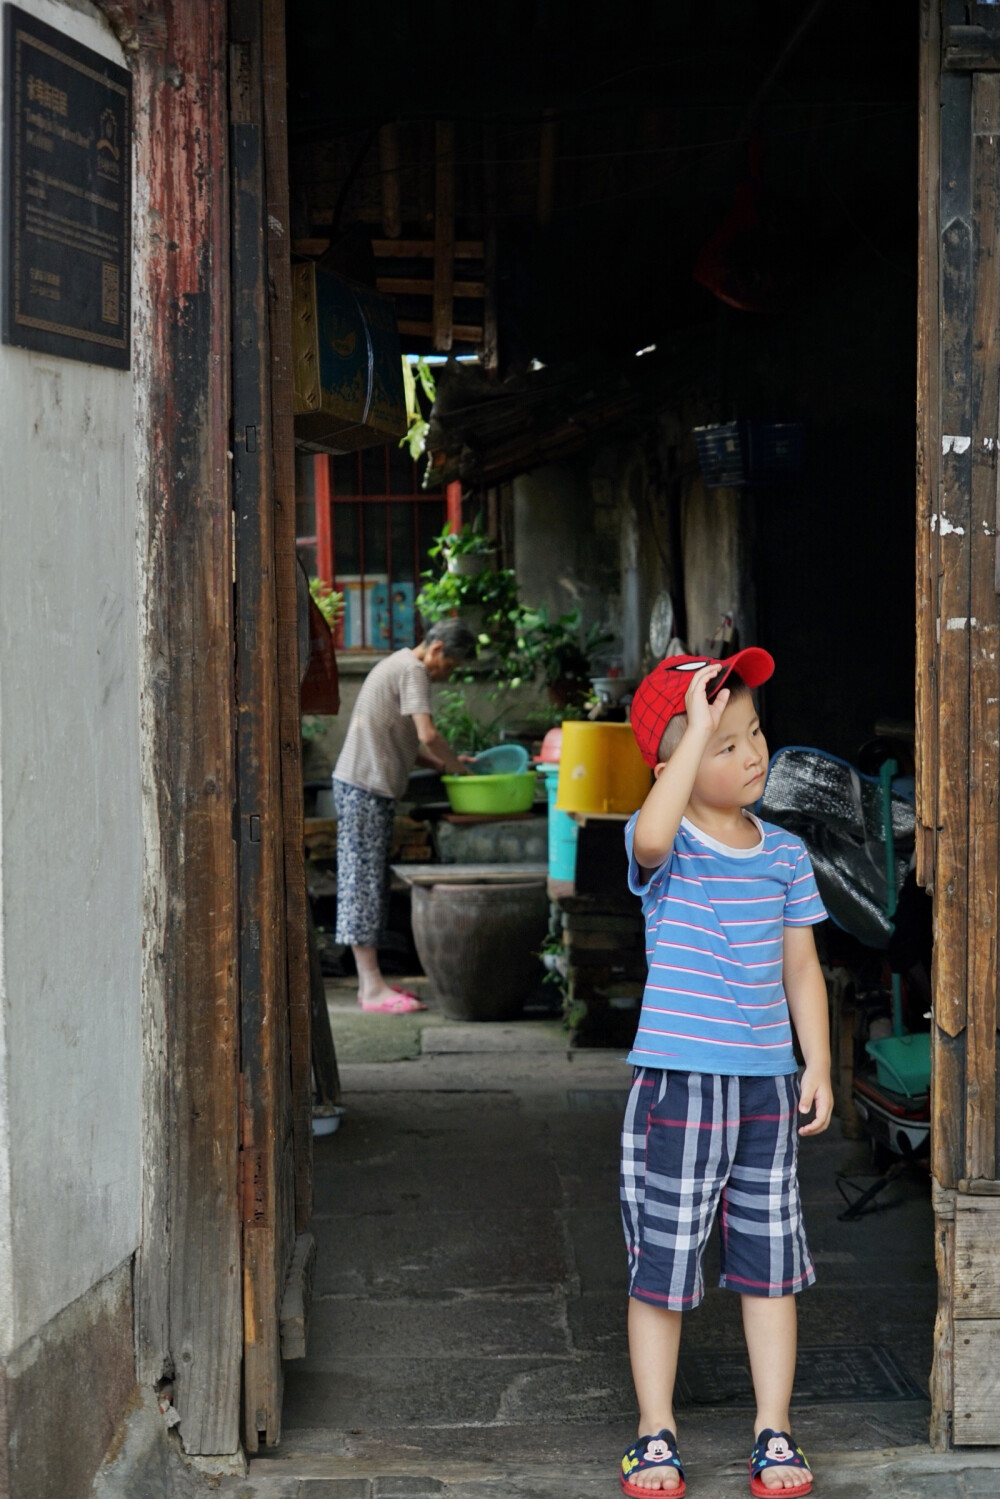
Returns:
<point x="971" y="49"/>
<point x="267" y="1173"/>
<point x="444" y="235"/>
<point x="297" y="1298"/>
<point x="984" y="644"/>
<point x="952" y="524"/>
<point x="191" y="1230"/>
<point x="313" y="248"/>
<point x="453" y="504"/>
<point x="420" y="249"/>
<point x="322" y="490"/>
<point x="977" y="1383"/>
<point x="489" y="352"/>
<point x="977" y="1257"/>
<point x="942" y="1370"/>
<point x="388" y="152"/>
<point x="287" y="599"/>
<point x="463" y="333"/>
<point x="413" y="286"/>
<point x="928" y="440"/>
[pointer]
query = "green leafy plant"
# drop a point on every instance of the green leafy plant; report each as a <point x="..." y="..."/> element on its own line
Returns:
<point x="464" y="730"/>
<point x="494" y="591"/>
<point x="313" y="727"/>
<point x="559" y="652"/>
<point x="489" y="599"/>
<point x="329" y="602"/>
<point x="523" y="644"/>
<point x="415" y="375"/>
<point x="553" y="956"/>
<point x="548" y="715"/>
<point x="470" y="541"/>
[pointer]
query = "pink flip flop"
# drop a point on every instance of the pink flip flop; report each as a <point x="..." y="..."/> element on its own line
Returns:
<point x="401" y="1003"/>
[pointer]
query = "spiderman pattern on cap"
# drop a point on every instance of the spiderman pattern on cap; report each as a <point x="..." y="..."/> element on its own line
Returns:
<point x="660" y="696"/>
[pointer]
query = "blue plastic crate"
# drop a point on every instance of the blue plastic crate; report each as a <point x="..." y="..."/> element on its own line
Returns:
<point x="742" y="454"/>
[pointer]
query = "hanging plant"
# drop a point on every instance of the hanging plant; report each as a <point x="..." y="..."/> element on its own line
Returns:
<point x="415" y="375"/>
<point x="328" y="601"/>
<point x="488" y="600"/>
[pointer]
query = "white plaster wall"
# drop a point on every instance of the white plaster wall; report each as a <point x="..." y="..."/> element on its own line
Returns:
<point x="70" y="820"/>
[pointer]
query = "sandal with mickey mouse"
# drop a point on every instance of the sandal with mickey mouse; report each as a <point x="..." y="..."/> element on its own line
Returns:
<point x="775" y="1449"/>
<point x="652" y="1452"/>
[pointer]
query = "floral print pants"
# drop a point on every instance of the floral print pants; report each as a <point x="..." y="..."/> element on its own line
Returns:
<point x="364" y="842"/>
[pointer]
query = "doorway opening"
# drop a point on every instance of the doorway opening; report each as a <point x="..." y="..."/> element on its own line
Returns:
<point x="641" y="221"/>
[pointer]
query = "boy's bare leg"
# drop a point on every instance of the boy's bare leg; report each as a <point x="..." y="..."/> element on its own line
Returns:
<point x="771" y="1329"/>
<point x="654" y="1340"/>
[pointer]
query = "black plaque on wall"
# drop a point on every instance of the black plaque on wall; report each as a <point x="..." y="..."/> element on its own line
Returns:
<point x="67" y="155"/>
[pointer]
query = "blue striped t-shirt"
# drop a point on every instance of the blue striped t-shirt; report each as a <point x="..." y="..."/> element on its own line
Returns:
<point x="714" y="999"/>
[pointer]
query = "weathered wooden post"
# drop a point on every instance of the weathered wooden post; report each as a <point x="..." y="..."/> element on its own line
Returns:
<point x="958" y="689"/>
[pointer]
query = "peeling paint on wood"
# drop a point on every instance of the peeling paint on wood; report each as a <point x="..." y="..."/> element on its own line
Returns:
<point x="190" y="1301"/>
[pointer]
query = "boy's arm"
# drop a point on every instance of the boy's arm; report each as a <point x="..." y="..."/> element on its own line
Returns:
<point x="661" y="812"/>
<point x="805" y="990"/>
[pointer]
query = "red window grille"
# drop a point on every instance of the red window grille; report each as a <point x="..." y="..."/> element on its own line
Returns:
<point x="364" y="526"/>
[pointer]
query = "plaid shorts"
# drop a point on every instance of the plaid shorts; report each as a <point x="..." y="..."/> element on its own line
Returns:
<point x="691" y="1142"/>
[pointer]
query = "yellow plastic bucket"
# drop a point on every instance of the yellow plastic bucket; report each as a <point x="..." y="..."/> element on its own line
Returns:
<point x="601" y="769"/>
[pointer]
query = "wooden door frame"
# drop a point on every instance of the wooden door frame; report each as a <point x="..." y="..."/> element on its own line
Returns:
<point x="958" y="686"/>
<point x="188" y="1304"/>
<point x="189" y="1295"/>
<point x="278" y="234"/>
<point x="276" y="1118"/>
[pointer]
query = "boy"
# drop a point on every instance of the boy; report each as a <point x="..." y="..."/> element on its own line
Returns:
<point x="729" y="903"/>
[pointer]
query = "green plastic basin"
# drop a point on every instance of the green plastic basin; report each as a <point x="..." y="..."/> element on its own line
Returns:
<point x="491" y="794"/>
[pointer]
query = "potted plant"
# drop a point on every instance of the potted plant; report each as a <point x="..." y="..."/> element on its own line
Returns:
<point x="559" y="652"/>
<point x="467" y="551"/>
<point x="487" y="601"/>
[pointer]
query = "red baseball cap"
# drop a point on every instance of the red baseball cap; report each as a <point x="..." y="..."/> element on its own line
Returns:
<point x="660" y="696"/>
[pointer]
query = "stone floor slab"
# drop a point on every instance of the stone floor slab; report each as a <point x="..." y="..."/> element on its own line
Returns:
<point x="335" y="1488"/>
<point x="599" y="1250"/>
<point x="456" y="1178"/>
<point x="408" y="1486"/>
<point x="422" y="1251"/>
<point x="531" y="1036"/>
<point x="358" y="1396"/>
<point x="468" y="1200"/>
<point x="551" y="1074"/>
<point x="430" y="1327"/>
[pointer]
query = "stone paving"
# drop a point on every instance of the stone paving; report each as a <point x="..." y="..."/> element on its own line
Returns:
<point x="468" y="1326"/>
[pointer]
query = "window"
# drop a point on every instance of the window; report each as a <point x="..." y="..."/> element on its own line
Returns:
<point x="364" y="526"/>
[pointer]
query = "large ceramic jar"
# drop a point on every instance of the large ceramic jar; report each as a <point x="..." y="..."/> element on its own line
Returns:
<point x="479" y="945"/>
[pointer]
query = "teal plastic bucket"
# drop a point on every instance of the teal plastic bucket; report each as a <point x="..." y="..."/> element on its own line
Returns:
<point x="903" y="1063"/>
<point x="562" y="830"/>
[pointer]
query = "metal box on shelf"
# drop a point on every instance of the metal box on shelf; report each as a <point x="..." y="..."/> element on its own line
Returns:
<point x="347" y="365"/>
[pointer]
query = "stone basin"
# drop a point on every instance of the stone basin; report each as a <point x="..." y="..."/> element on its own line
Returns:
<point x="479" y="944"/>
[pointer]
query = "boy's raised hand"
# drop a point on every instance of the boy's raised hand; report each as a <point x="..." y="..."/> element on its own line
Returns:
<point x="701" y="714"/>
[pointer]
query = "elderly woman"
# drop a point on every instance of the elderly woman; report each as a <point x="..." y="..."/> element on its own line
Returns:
<point x="391" y="729"/>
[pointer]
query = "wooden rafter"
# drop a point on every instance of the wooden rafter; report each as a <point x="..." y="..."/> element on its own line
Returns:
<point x="442" y="313"/>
